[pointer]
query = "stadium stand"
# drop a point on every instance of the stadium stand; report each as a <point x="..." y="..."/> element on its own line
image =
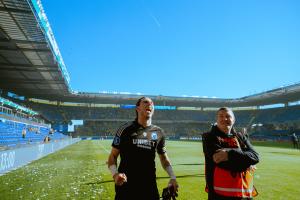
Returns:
<point x="11" y="133"/>
<point x="20" y="126"/>
<point x="103" y="121"/>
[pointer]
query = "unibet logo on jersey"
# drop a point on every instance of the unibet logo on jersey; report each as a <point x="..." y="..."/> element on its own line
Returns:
<point x="146" y="140"/>
<point x="143" y="143"/>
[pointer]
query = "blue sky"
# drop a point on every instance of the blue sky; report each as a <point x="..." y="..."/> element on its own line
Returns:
<point x="213" y="48"/>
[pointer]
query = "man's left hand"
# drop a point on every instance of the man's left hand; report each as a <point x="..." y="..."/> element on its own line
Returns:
<point x="173" y="183"/>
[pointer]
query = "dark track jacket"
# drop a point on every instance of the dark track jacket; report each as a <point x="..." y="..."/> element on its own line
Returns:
<point x="238" y="159"/>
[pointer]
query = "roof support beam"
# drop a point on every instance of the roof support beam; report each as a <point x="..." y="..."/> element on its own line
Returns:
<point x="14" y="41"/>
<point x="16" y="10"/>
<point x="28" y="69"/>
<point x="28" y="65"/>
<point x="36" y="81"/>
<point x="23" y="49"/>
<point x="3" y="34"/>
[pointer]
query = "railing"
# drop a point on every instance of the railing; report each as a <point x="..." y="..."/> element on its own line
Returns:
<point x="6" y="110"/>
<point x="20" y="116"/>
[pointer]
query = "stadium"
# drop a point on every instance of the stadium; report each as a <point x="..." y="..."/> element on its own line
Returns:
<point x="54" y="142"/>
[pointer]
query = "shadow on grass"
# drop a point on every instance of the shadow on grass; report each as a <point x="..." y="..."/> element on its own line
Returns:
<point x="189" y="164"/>
<point x="99" y="182"/>
<point x="182" y="176"/>
<point x="284" y="153"/>
<point x="162" y="177"/>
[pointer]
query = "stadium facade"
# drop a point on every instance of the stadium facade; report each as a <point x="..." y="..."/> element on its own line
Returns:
<point x="33" y="75"/>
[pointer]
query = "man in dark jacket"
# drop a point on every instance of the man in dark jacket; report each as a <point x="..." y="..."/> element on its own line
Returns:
<point x="229" y="158"/>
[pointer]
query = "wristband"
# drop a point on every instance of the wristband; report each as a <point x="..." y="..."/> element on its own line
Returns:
<point x="113" y="169"/>
<point x="169" y="170"/>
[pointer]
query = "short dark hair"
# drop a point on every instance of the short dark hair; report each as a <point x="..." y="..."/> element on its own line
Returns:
<point x="226" y="109"/>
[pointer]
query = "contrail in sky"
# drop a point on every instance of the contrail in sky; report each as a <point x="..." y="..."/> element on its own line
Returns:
<point x="155" y="19"/>
<point x="151" y="14"/>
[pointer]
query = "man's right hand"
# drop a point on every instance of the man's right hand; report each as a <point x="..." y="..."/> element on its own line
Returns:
<point x="220" y="156"/>
<point x="120" y="178"/>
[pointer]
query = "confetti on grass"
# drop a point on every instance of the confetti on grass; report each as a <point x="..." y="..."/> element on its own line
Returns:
<point x="67" y="172"/>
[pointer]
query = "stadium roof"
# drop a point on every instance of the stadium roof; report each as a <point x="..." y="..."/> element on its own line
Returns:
<point x="282" y="95"/>
<point x="31" y="64"/>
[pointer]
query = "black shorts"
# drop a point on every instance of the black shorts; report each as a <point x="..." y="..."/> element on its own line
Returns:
<point x="144" y="191"/>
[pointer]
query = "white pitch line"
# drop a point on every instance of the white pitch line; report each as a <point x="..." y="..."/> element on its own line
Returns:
<point x="108" y="152"/>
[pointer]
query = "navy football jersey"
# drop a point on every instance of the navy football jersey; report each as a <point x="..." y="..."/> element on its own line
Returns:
<point x="138" y="146"/>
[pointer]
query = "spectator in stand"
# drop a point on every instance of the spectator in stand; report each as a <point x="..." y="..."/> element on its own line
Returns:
<point x="295" y="141"/>
<point x="47" y="139"/>
<point x="244" y="132"/>
<point x="51" y="131"/>
<point x="24" y="133"/>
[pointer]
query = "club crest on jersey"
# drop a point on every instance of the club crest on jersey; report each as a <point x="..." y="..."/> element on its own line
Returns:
<point x="154" y="136"/>
<point x="116" y="140"/>
<point x="144" y="134"/>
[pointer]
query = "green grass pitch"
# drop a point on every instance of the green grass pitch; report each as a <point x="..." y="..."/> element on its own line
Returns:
<point x="79" y="172"/>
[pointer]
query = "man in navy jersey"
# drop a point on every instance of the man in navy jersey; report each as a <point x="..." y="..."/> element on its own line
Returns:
<point x="137" y="142"/>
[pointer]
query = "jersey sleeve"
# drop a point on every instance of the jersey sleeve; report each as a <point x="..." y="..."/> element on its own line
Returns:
<point x="116" y="142"/>
<point x="119" y="136"/>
